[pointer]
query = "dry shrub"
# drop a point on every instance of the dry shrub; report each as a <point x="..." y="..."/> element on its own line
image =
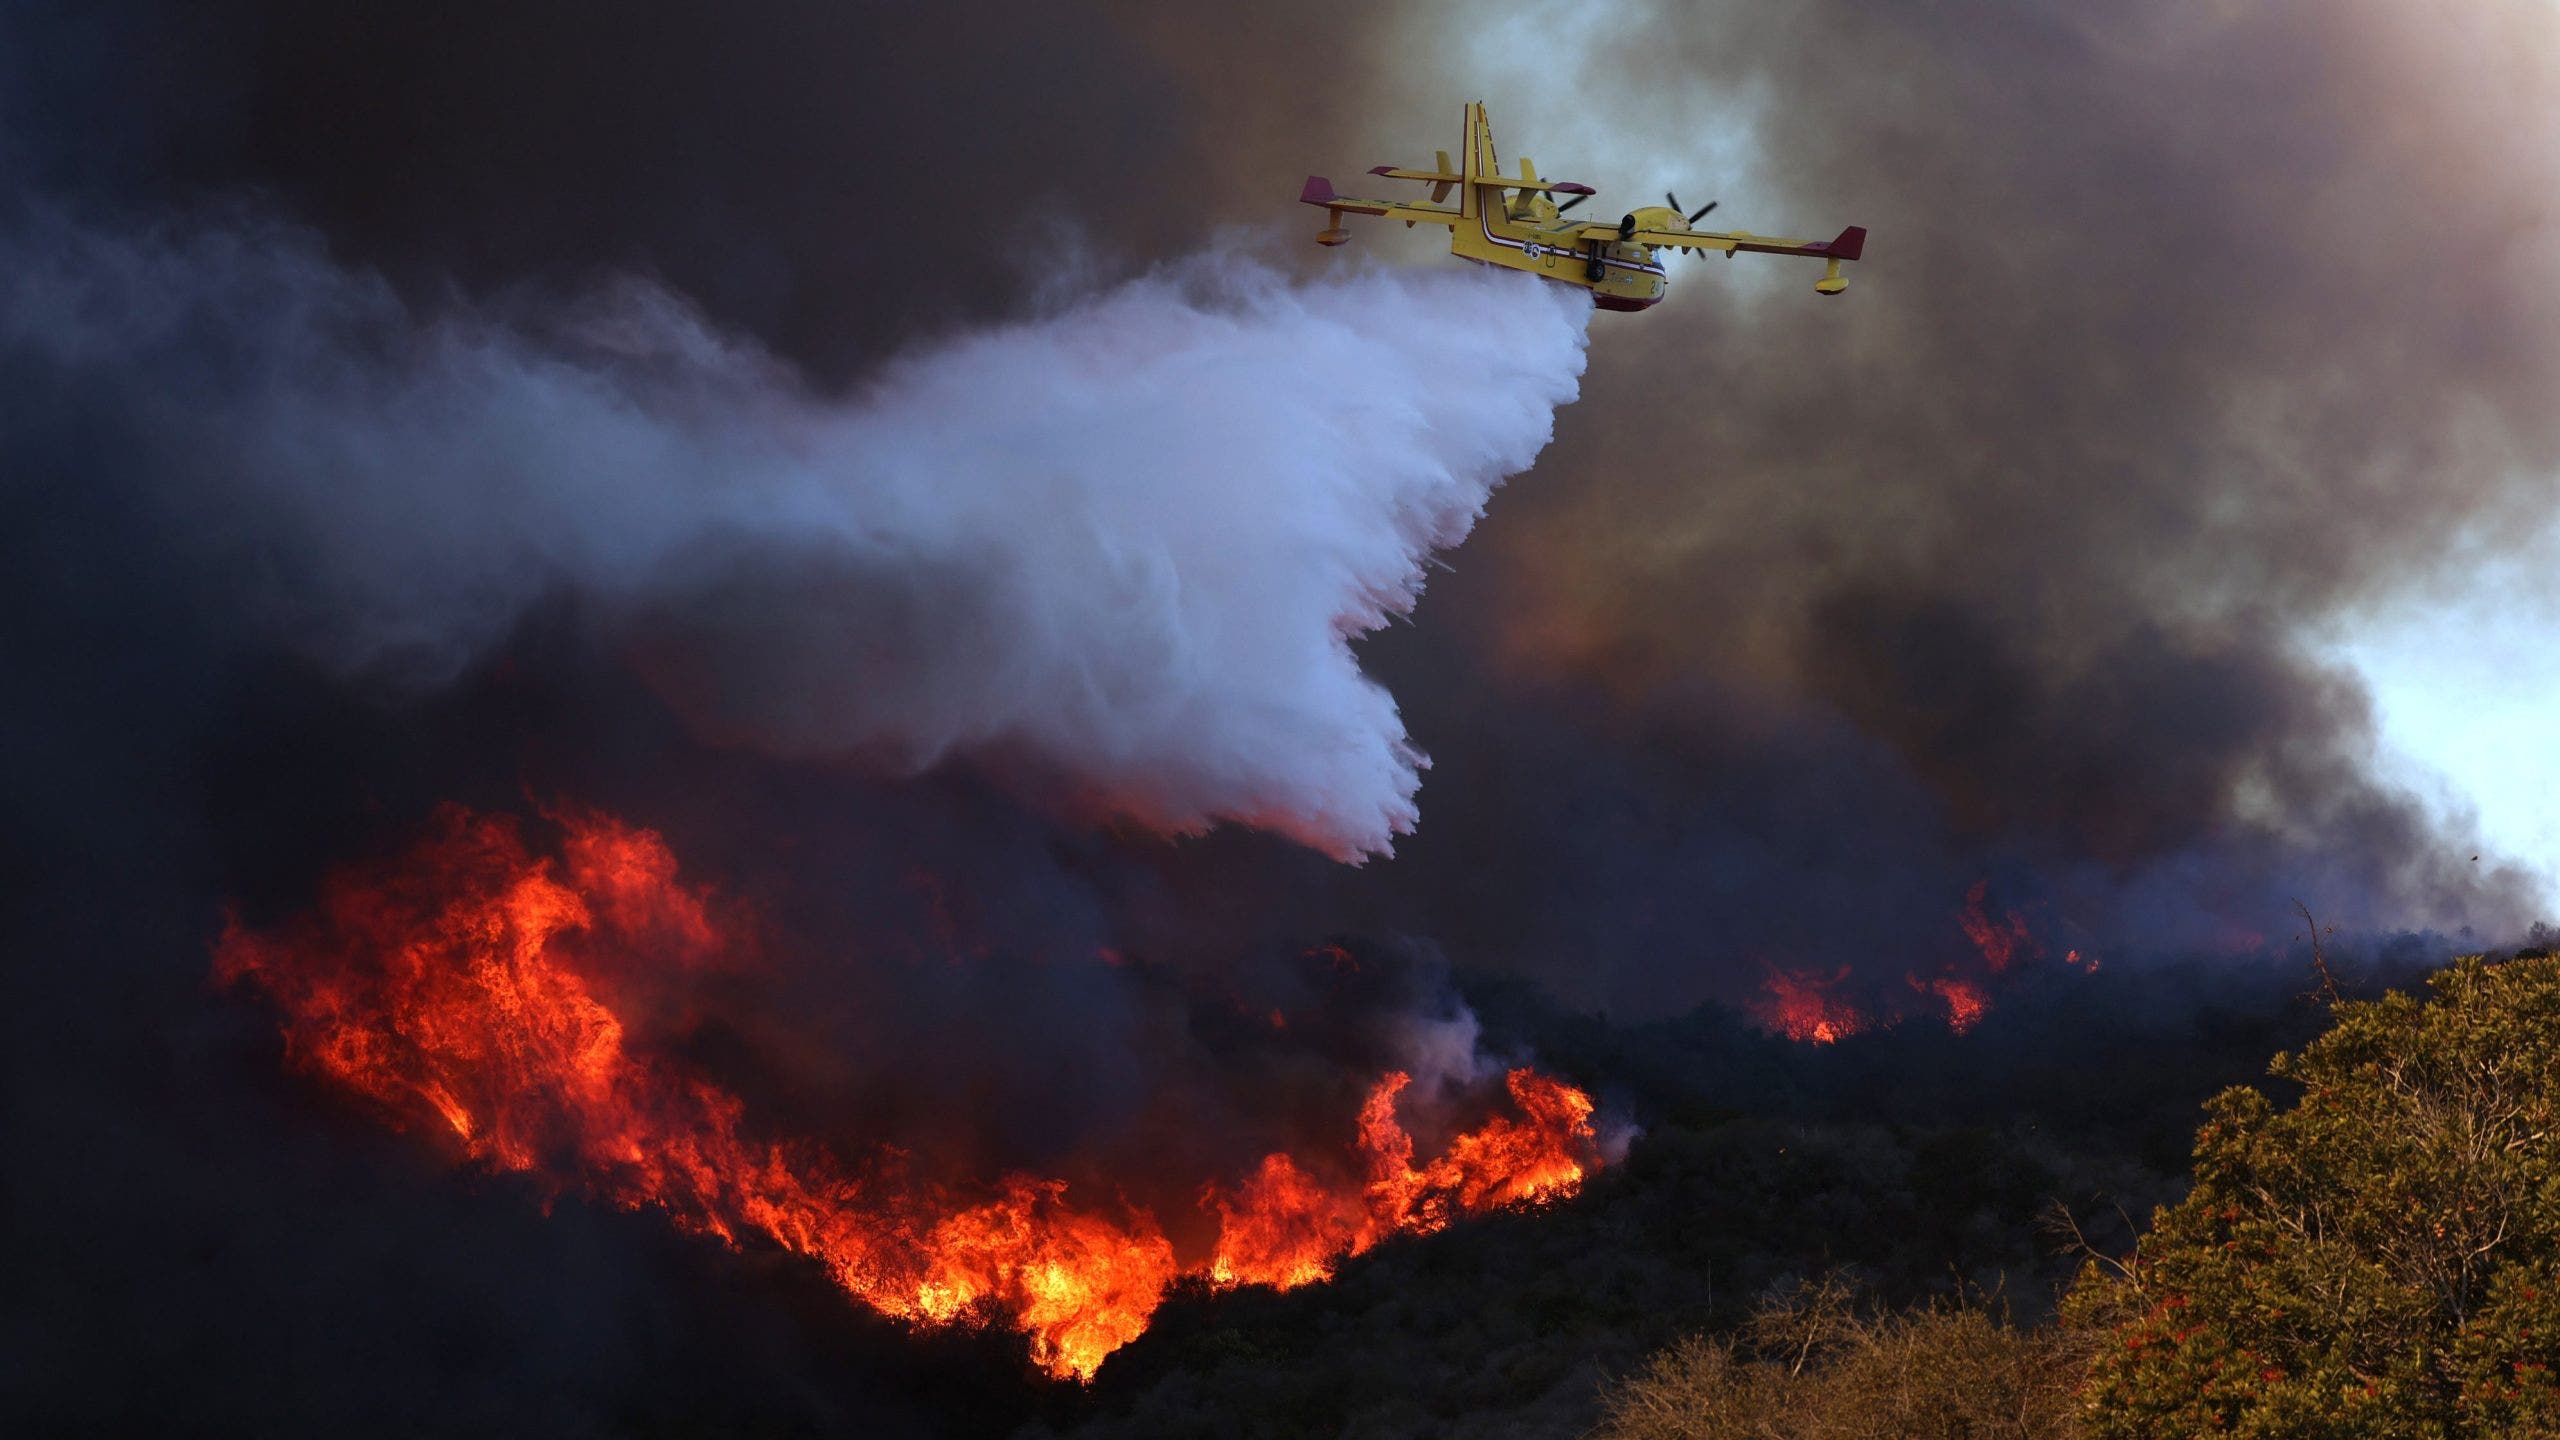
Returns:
<point x="1811" y="1365"/>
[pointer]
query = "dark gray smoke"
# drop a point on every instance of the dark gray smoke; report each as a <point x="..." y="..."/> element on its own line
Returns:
<point x="2180" y="331"/>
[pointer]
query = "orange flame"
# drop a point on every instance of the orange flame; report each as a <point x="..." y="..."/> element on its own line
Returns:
<point x="1283" y="1227"/>
<point x="466" y="990"/>
<point x="1806" y="1006"/>
<point x="2000" y="941"/>
<point x="1798" y="1004"/>
<point x="1964" y="1000"/>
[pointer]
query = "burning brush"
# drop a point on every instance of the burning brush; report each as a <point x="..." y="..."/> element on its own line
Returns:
<point x="475" y="990"/>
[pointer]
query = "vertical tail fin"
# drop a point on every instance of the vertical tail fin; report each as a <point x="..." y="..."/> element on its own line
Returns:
<point x="1476" y="146"/>
<point x="1483" y="166"/>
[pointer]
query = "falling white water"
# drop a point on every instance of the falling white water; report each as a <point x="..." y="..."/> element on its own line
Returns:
<point x="1131" y="542"/>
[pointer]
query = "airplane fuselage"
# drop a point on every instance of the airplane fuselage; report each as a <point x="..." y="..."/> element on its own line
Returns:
<point x="1631" y="276"/>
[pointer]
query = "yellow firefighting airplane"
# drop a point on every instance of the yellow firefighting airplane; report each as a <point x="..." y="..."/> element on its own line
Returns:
<point x="1514" y="224"/>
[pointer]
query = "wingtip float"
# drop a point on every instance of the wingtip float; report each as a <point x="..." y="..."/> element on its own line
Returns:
<point x="1515" y="222"/>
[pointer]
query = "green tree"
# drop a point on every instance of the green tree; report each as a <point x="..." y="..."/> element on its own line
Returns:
<point x="2380" y="1258"/>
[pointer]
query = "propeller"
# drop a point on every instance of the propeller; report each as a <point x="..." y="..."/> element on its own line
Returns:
<point x="1694" y="214"/>
<point x="1569" y="204"/>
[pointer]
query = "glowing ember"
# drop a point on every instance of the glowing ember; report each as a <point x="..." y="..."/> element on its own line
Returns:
<point x="1808" y="1006"/>
<point x="2000" y="941"/>
<point x="465" y="990"/>
<point x="1964" y="1000"/>
<point x="1799" y="1005"/>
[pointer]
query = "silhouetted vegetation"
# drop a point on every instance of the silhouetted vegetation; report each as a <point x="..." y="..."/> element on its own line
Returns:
<point x="1882" y="1186"/>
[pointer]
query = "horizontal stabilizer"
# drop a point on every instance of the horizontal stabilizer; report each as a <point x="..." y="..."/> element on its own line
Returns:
<point x="1442" y="177"/>
<point x="1436" y="176"/>
<point x="1319" y="191"/>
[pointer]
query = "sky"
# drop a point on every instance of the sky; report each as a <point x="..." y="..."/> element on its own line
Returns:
<point x="2465" y="676"/>
<point x="2027" y="560"/>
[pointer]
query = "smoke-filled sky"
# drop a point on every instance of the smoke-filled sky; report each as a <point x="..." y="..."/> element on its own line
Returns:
<point x="923" y="467"/>
<point x="2100" y="543"/>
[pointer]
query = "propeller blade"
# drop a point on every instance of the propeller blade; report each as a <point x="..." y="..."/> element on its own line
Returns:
<point x="1701" y="211"/>
<point x="1569" y="204"/>
<point x="1672" y="200"/>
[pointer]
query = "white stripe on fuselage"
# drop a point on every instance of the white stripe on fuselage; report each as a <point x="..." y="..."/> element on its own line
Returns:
<point x="1485" y="218"/>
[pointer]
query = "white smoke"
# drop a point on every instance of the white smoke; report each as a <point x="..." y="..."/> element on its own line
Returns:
<point x="1130" y="543"/>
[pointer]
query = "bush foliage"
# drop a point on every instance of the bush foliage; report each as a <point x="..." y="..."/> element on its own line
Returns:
<point x="1810" y="1365"/>
<point x="2380" y="1258"/>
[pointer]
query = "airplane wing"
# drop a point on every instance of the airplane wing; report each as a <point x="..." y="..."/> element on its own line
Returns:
<point x="1849" y="244"/>
<point x="1319" y="191"/>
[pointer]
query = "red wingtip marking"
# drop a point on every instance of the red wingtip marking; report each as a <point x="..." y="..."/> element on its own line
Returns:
<point x="1318" y="191"/>
<point x="1850" y="244"/>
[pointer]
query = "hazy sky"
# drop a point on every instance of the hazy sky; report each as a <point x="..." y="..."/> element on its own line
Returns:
<point x="2465" y="675"/>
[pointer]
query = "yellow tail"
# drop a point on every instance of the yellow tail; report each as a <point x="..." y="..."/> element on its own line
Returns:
<point x="1483" y="166"/>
